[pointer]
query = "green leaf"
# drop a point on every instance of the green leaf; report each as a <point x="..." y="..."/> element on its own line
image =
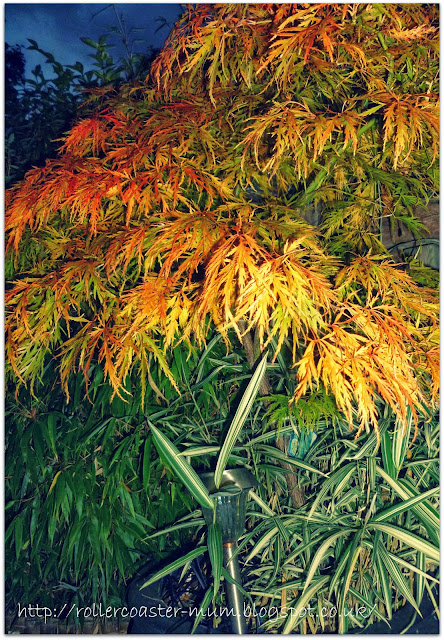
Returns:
<point x="181" y="468"/>
<point x="341" y="476"/>
<point x="18" y="535"/>
<point x="90" y="43"/>
<point x="410" y="539"/>
<point x="303" y="600"/>
<point x="353" y="556"/>
<point x="419" y="569"/>
<point x="239" y="419"/>
<point x="146" y="462"/>
<point x="402" y="507"/>
<point x="263" y="505"/>
<point x="301" y="464"/>
<point x="384" y="581"/>
<point x="401" y="438"/>
<point x="370" y="605"/>
<point x="424" y="511"/>
<point x="177" y="564"/>
<point x="215" y="552"/>
<point x="260" y="544"/>
<point x="52" y="432"/>
<point x="387" y="455"/>
<point x="321" y="553"/>
<point x="203" y="608"/>
<point x="397" y="577"/>
<point x="175" y="527"/>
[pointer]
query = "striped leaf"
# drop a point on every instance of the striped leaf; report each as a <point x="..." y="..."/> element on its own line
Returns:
<point x="410" y="539"/>
<point x="369" y="605"/>
<point x="396" y="575"/>
<point x="301" y="464"/>
<point x="402" y="507"/>
<point x="384" y="582"/>
<point x="401" y="438"/>
<point x="387" y="455"/>
<point x="342" y="559"/>
<point x="260" y="544"/>
<point x="215" y="552"/>
<point x="342" y="476"/>
<point x="199" y="451"/>
<point x="301" y="603"/>
<point x="419" y="569"/>
<point x="353" y="556"/>
<point x="239" y="419"/>
<point x="321" y="553"/>
<point x="181" y="468"/>
<point x="263" y="505"/>
<point x="173" y="566"/>
<point x="175" y="527"/>
<point x="425" y="512"/>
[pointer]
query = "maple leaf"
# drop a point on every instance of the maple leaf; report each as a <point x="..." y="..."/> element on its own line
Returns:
<point x="242" y="186"/>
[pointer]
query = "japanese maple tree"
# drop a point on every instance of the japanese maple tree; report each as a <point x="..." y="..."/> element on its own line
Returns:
<point x="243" y="187"/>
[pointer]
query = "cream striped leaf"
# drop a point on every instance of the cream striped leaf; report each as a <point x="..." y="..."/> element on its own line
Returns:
<point x="303" y="600"/>
<point x="410" y="539"/>
<point x="173" y="566"/>
<point x="403" y="507"/>
<point x="181" y="468"/>
<point x="320" y="554"/>
<point x="215" y="553"/>
<point x="239" y="419"/>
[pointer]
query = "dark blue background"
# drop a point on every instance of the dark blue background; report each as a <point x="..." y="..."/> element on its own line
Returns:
<point x="57" y="28"/>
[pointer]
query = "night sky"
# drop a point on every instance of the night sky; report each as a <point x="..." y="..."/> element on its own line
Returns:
<point x="57" y="28"/>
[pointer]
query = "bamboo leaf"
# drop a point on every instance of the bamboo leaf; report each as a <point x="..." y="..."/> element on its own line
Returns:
<point x="146" y="462"/>
<point x="203" y="608"/>
<point x="423" y="511"/>
<point x="342" y="475"/>
<point x="384" y="582"/>
<point x="398" y="579"/>
<point x="261" y="503"/>
<point x="54" y="481"/>
<point x="262" y="542"/>
<point x="417" y="569"/>
<point x="301" y="464"/>
<point x="175" y="527"/>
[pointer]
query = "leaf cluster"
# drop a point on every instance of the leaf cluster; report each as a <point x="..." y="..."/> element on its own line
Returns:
<point x="366" y="536"/>
<point x="187" y="202"/>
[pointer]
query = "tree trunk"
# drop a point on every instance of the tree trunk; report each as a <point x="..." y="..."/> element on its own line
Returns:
<point x="296" y="493"/>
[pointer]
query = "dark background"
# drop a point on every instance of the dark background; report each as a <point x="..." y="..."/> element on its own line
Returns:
<point x="57" y="28"/>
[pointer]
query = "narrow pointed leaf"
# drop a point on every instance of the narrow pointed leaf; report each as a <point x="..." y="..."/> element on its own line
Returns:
<point x="403" y="507"/>
<point x="410" y="539"/>
<point x="215" y="552"/>
<point x="239" y="419"/>
<point x="303" y="600"/>
<point x="173" y="566"/>
<point x="320" y="554"/>
<point x="182" y="469"/>
<point x="398" y="579"/>
<point x="203" y="607"/>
